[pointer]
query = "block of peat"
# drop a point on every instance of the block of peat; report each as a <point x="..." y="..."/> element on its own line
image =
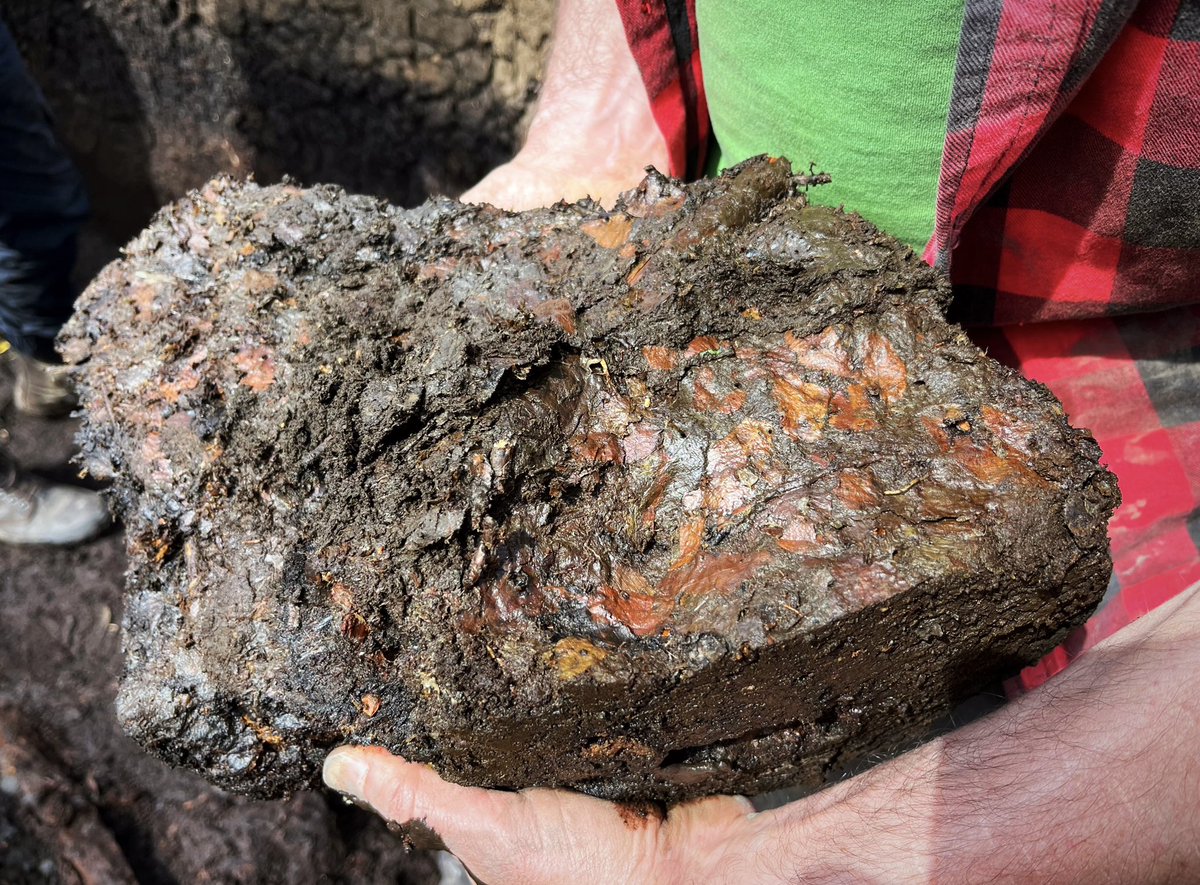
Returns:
<point x="699" y="495"/>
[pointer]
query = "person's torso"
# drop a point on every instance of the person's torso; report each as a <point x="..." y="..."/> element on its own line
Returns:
<point x="861" y="90"/>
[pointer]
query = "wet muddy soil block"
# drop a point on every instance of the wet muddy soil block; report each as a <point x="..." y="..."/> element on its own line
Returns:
<point x="699" y="495"/>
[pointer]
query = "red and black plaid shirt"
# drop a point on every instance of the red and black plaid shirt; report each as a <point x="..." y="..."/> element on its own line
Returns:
<point x="1068" y="218"/>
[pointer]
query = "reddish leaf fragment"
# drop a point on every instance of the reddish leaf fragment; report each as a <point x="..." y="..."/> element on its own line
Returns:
<point x="559" y="311"/>
<point x="609" y="233"/>
<point x="257" y="366"/>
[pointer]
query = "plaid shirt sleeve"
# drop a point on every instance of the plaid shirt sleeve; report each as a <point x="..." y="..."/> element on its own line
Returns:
<point x="1071" y="173"/>
<point x="1133" y="381"/>
<point x="662" y="36"/>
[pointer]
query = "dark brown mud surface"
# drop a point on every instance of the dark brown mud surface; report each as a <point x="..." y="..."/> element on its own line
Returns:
<point x="700" y="495"/>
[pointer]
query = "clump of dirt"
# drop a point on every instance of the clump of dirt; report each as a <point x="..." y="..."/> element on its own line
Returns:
<point x="700" y="495"/>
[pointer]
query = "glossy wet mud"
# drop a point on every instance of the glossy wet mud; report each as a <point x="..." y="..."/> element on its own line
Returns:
<point x="700" y="495"/>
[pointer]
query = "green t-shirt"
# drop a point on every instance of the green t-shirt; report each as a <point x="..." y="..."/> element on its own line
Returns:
<point x="860" y="88"/>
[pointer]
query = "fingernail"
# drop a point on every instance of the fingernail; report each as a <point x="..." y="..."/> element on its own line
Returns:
<point x="345" y="771"/>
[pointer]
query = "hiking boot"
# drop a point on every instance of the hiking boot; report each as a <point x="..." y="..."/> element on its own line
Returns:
<point x="34" y="511"/>
<point x="40" y="389"/>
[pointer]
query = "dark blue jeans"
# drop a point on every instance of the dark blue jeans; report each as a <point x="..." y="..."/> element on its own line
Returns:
<point x="42" y="206"/>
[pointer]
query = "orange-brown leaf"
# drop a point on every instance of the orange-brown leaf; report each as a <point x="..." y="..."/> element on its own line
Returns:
<point x="707" y="400"/>
<point x="884" y="369"/>
<point x="802" y="404"/>
<point x="852" y="410"/>
<point x="661" y="358"/>
<point x="630" y="600"/>
<point x="559" y="311"/>
<point x="610" y="233"/>
<point x="257" y="365"/>
<point x="691" y="534"/>
<point x="823" y="352"/>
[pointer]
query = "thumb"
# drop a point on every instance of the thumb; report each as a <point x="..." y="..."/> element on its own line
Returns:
<point x="529" y="837"/>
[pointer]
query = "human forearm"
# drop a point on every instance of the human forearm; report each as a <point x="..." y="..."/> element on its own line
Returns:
<point x="593" y="131"/>
<point x="1092" y="778"/>
<point x="593" y="106"/>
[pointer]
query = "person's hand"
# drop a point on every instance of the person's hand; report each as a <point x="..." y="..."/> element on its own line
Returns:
<point x="593" y="132"/>
<point x="1092" y="778"/>
<point x="539" y="836"/>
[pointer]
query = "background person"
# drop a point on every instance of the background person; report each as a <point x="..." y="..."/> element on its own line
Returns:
<point x="42" y="207"/>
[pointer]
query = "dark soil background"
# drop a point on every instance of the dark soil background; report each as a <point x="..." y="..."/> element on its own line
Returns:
<point x="399" y="98"/>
